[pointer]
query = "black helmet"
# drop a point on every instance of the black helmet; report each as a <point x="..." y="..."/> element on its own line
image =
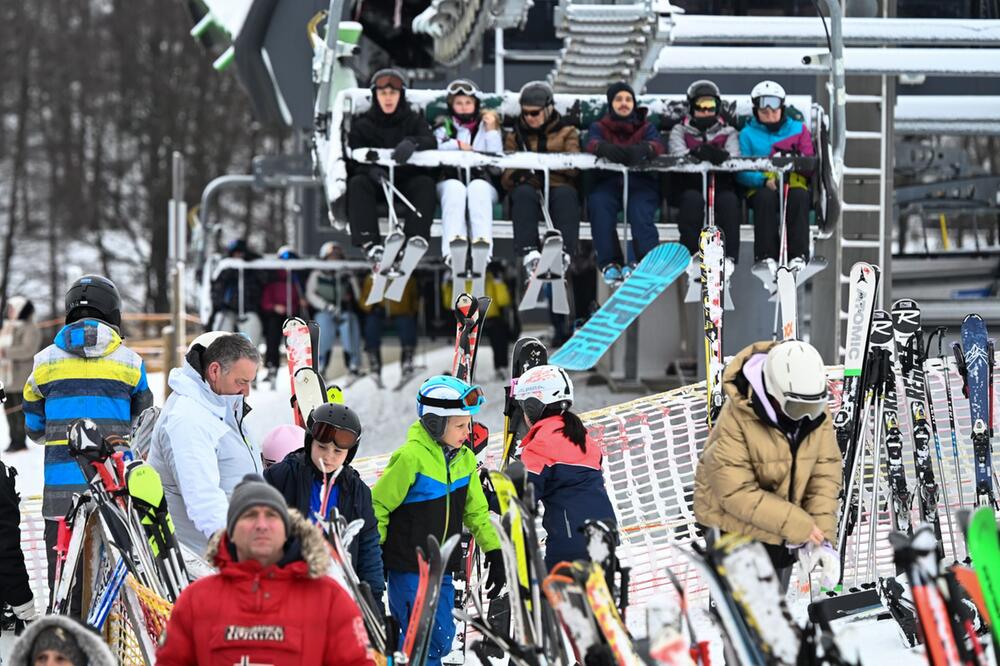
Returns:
<point x="703" y="88"/>
<point x="536" y="93"/>
<point x="94" y="295"/>
<point x="325" y="420"/>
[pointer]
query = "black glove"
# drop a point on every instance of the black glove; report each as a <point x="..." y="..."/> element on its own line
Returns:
<point x="524" y="177"/>
<point x="639" y="153"/>
<point x="404" y="149"/>
<point x="706" y="152"/>
<point x="496" y="574"/>
<point x="611" y="152"/>
<point x="377" y="174"/>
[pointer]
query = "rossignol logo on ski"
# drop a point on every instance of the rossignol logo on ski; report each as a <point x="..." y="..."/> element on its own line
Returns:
<point x="259" y="632"/>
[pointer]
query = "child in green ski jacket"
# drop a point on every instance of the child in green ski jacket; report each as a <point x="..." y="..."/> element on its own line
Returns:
<point x="431" y="486"/>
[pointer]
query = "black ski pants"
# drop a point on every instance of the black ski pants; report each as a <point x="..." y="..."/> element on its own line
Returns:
<point x="364" y="197"/>
<point x="526" y="212"/>
<point x="767" y="223"/>
<point x="15" y="418"/>
<point x="273" y="323"/>
<point x="691" y="217"/>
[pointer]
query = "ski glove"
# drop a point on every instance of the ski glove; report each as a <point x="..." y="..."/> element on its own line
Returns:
<point x="496" y="574"/>
<point x="377" y="174"/>
<point x="706" y="152"/>
<point x="612" y="153"/>
<point x="403" y="150"/>
<point x="639" y="153"/>
<point x="825" y="557"/>
<point x="26" y="612"/>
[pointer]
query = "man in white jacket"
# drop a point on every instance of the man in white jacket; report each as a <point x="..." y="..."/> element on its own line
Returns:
<point x="198" y="446"/>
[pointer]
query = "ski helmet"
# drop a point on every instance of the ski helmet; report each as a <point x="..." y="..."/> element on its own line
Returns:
<point x="281" y="441"/>
<point x="699" y="90"/>
<point x="96" y="293"/>
<point x="463" y="87"/>
<point x="390" y="77"/>
<point x="536" y="93"/>
<point x="337" y="424"/>
<point x="795" y="377"/>
<point x="442" y="396"/>
<point x="542" y="388"/>
<point x="768" y="94"/>
<point x="331" y="250"/>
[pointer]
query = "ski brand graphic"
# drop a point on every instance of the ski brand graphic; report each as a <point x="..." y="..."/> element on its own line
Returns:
<point x="976" y="355"/>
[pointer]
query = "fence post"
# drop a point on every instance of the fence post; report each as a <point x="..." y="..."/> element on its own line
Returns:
<point x="169" y="356"/>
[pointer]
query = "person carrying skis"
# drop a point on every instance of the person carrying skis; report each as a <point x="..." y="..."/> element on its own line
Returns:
<point x="389" y="123"/>
<point x="431" y="486"/>
<point x="334" y="295"/>
<point x="771" y="468"/>
<point x="466" y="127"/>
<point x="272" y="601"/>
<point x="773" y="132"/>
<point x="86" y="373"/>
<point x="563" y="463"/>
<point x="320" y="476"/>
<point x="704" y="135"/>
<point x="19" y="340"/>
<point x="623" y="136"/>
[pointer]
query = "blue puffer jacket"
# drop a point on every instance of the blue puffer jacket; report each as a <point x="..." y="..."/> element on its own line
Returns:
<point x="756" y="140"/>
<point x="294" y="479"/>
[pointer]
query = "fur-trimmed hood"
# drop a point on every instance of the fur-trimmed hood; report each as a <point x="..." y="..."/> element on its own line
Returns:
<point x="305" y="544"/>
<point x="97" y="651"/>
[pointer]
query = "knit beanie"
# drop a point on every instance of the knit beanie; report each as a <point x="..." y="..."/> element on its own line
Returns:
<point x="60" y="640"/>
<point x="616" y="88"/>
<point x="253" y="491"/>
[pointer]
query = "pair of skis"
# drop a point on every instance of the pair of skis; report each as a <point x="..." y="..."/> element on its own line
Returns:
<point x="400" y="255"/>
<point x="975" y="359"/>
<point x="548" y="270"/>
<point x="308" y="388"/>
<point x="528" y="353"/>
<point x="468" y="263"/>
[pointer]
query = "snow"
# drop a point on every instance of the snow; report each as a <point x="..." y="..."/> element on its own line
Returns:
<point x="948" y="114"/>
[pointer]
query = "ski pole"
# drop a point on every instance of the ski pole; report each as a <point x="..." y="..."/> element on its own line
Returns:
<point x="946" y="370"/>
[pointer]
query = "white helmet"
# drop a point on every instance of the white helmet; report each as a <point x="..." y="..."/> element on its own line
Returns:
<point x="795" y="376"/>
<point x="769" y="94"/>
<point x="331" y="247"/>
<point x="543" y="386"/>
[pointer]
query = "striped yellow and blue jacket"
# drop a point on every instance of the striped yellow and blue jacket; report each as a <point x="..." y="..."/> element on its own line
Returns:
<point x="85" y="373"/>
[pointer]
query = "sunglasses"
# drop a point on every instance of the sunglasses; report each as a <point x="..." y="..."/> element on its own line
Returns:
<point x="769" y="102"/>
<point x="532" y="114"/>
<point x="342" y="438"/>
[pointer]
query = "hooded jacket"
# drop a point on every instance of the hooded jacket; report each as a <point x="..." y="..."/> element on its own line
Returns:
<point x="374" y="129"/>
<point x="14" y="587"/>
<point x="19" y="342"/>
<point x="201" y="453"/>
<point x="557" y="135"/>
<point x="758" y="479"/>
<point x="570" y="485"/>
<point x="422" y="492"/>
<point x="756" y="140"/>
<point x="87" y="372"/>
<point x="294" y="479"/>
<point x="91" y="643"/>
<point x="286" y="614"/>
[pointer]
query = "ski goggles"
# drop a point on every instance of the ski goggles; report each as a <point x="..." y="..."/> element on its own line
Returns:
<point x="473" y="397"/>
<point x="769" y="102"/>
<point x="461" y="87"/>
<point x="707" y="104"/>
<point x="388" y="80"/>
<point x="799" y="406"/>
<point x="326" y="433"/>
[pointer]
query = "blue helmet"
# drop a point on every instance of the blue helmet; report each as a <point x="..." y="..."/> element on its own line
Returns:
<point x="444" y="395"/>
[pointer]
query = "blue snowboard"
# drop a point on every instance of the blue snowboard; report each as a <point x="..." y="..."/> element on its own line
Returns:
<point x="655" y="272"/>
<point x="977" y="361"/>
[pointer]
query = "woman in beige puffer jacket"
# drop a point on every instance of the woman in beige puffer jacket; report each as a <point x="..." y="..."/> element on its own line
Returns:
<point x="19" y="342"/>
<point x="764" y="475"/>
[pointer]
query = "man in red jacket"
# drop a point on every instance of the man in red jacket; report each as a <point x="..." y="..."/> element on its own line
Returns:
<point x="272" y="601"/>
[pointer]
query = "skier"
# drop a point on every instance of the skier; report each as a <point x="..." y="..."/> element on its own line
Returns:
<point x="704" y="135"/>
<point x="87" y="372"/>
<point x="623" y="136"/>
<point x="198" y="444"/>
<point x="280" y="441"/>
<point x="226" y="296"/>
<point x="283" y="296"/>
<point x="272" y="601"/>
<point x="431" y="486"/>
<point x="334" y="295"/>
<point x="14" y="588"/>
<point x="389" y="123"/>
<point x="466" y="127"/>
<point x="325" y="462"/>
<point x="404" y="317"/>
<point x="772" y="132"/>
<point x="563" y="463"/>
<point x="771" y="468"/>
<point x="19" y="341"/>
<point x="57" y="639"/>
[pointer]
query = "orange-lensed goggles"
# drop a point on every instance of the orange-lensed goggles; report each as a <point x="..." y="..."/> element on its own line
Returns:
<point x="342" y="438"/>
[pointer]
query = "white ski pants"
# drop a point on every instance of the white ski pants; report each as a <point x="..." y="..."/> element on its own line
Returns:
<point x="478" y="198"/>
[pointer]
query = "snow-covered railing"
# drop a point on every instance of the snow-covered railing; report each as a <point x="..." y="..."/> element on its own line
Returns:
<point x="948" y="114"/>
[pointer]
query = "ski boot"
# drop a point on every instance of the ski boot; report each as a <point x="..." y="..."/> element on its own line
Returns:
<point x="627" y="271"/>
<point x="529" y="262"/>
<point x="373" y="252"/>
<point x="375" y="366"/>
<point x="612" y="274"/>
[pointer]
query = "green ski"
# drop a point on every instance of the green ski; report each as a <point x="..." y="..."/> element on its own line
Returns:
<point x="984" y="548"/>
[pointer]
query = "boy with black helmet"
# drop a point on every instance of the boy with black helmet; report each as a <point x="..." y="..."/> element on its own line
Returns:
<point x="320" y="474"/>
<point x="389" y="123"/>
<point x="704" y="135"/>
<point x="110" y="388"/>
<point x="431" y="486"/>
<point x="771" y="132"/>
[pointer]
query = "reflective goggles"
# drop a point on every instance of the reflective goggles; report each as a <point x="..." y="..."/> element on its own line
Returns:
<point x="388" y="81"/>
<point x="326" y="433"/>
<point x="473" y="397"/>
<point x="706" y="104"/>
<point x="798" y="406"/>
<point x="461" y="87"/>
<point x="769" y="102"/>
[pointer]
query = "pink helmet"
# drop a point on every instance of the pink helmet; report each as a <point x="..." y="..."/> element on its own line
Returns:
<point x="281" y="441"/>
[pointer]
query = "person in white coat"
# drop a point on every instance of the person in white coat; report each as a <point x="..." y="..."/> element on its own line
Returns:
<point x="467" y="127"/>
<point x="198" y="446"/>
